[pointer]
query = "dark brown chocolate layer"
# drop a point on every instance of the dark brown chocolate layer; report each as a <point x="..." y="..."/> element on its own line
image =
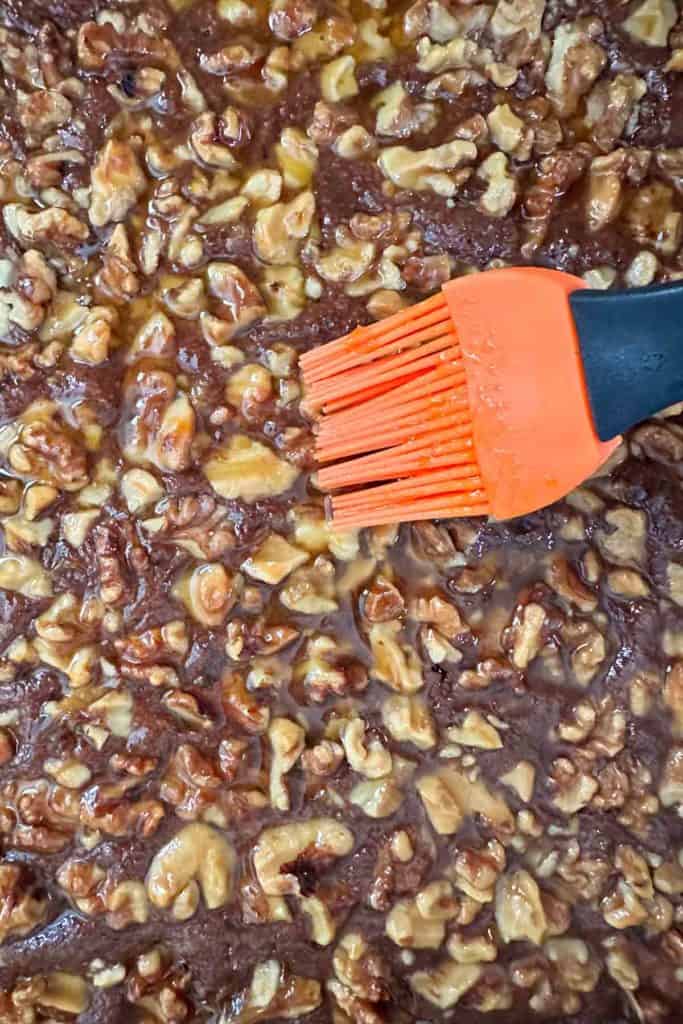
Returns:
<point x="251" y="769"/>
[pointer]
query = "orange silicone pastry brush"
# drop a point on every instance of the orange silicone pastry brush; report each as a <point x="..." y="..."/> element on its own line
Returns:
<point x="497" y="396"/>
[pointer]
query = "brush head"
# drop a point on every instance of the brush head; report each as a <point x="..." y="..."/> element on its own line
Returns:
<point x="470" y="403"/>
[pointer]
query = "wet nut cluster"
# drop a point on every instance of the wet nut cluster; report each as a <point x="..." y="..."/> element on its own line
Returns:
<point x="251" y="768"/>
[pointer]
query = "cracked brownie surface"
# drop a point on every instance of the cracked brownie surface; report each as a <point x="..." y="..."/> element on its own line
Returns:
<point x="252" y="769"/>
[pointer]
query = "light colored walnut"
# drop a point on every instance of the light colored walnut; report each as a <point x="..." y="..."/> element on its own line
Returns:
<point x="675" y="63"/>
<point x="249" y="470"/>
<point x="508" y="132"/>
<point x="439" y="613"/>
<point x="625" y="544"/>
<point x="240" y="298"/>
<point x="372" y="45"/>
<point x="274" y="560"/>
<point x="605" y="189"/>
<point x="430" y="18"/>
<point x="263" y="187"/>
<point x="355" y="143"/>
<point x="338" y="80"/>
<point x="444" y="985"/>
<point x="673" y="695"/>
<point x="611" y="105"/>
<point x="50" y="225"/>
<point x="461" y="53"/>
<point x="324" y="758"/>
<point x="360" y="977"/>
<point x="652" y="21"/>
<point x="139" y="489"/>
<point x="518" y="16"/>
<point x="652" y="218"/>
<point x="521" y="778"/>
<point x="25" y="576"/>
<point x="20" y="910"/>
<point x="588" y="653"/>
<point x="671" y="785"/>
<point x="574" y="787"/>
<point x="439" y="169"/>
<point x="501" y="187"/>
<point x="297" y="156"/>
<point x="408" y="720"/>
<point x="280" y="228"/>
<point x="519" y="908"/>
<point x="674" y="574"/>
<point x="315" y="840"/>
<point x="475" y="949"/>
<point x="93" y="339"/>
<point x="449" y="796"/>
<point x="527" y="634"/>
<point x="378" y="798"/>
<point x="287" y="740"/>
<point x="398" y="116"/>
<point x="289" y="19"/>
<point x="627" y="583"/>
<point x="346" y="263"/>
<point x="208" y="592"/>
<point x="117" y="183"/>
<point x="622" y="908"/>
<point x="621" y="968"/>
<point x="283" y="289"/>
<point x="642" y="269"/>
<point x="203" y="145"/>
<point x="68" y="772"/>
<point x="275" y="994"/>
<point x="323" y="927"/>
<point x="397" y="666"/>
<point x="324" y="670"/>
<point x="311" y="589"/>
<point x="115" y="710"/>
<point x="197" y="853"/>
<point x="576" y="61"/>
<point x="407" y="927"/>
<point x="370" y="759"/>
<point x="573" y="959"/>
<point x="475" y="731"/>
<point x="64" y="992"/>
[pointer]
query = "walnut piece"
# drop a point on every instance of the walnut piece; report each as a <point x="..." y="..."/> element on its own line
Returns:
<point x="117" y="183"/>
<point x="444" y="985"/>
<point x="249" y="470"/>
<point x="449" y="796"/>
<point x="438" y="170"/>
<point x="315" y="841"/>
<point x="652" y="21"/>
<point x="519" y="909"/>
<point x="197" y="855"/>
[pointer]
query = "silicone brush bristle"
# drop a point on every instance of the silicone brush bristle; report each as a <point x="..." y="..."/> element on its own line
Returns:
<point x="394" y="413"/>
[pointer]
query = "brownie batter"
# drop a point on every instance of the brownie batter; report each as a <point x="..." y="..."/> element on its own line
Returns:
<point x="251" y="769"/>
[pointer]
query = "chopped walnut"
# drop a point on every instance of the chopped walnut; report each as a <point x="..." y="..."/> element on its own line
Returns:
<point x="399" y="117"/>
<point x="519" y="909"/>
<point x="449" y="796"/>
<point x="117" y="183"/>
<point x="197" y="855"/>
<point x="444" y="985"/>
<point x="394" y="665"/>
<point x="652" y="21"/>
<point x="441" y="169"/>
<point x="306" y="845"/>
<point x="575" y="63"/>
<point x="249" y="470"/>
<point x="274" y="993"/>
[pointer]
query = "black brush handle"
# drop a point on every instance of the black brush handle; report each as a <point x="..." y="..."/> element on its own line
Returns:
<point x="632" y="349"/>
